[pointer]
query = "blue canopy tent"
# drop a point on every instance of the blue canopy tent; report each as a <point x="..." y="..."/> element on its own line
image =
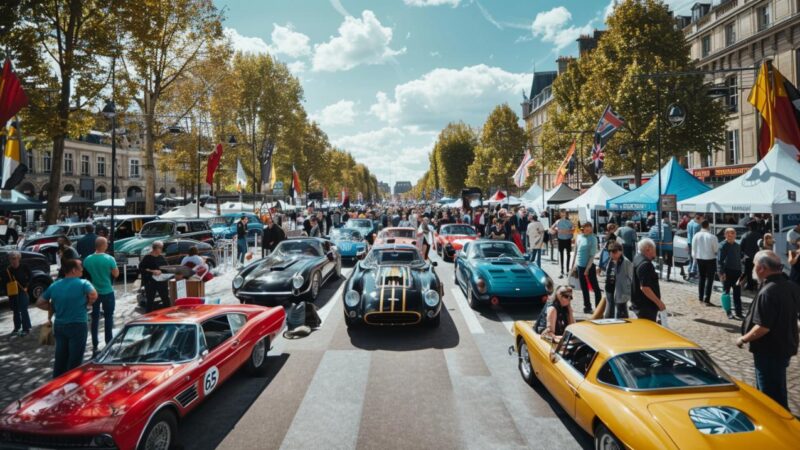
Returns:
<point x="675" y="181"/>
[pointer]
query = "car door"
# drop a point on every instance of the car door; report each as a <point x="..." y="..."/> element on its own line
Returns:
<point x="220" y="361"/>
<point x="327" y="265"/>
<point x="242" y="350"/>
<point x="172" y="252"/>
<point x="567" y="367"/>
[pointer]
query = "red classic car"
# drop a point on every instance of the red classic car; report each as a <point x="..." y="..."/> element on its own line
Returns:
<point x="451" y="238"/>
<point x="158" y="368"/>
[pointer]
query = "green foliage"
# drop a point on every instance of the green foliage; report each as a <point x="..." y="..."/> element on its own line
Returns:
<point x="502" y="143"/>
<point x="454" y="152"/>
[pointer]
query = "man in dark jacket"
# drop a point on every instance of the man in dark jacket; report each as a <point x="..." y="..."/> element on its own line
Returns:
<point x="729" y="265"/>
<point x="750" y="247"/>
<point x="85" y="245"/>
<point x="271" y="237"/>
<point x="771" y="326"/>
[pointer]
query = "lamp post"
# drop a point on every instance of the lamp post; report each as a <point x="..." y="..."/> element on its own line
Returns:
<point x="110" y="111"/>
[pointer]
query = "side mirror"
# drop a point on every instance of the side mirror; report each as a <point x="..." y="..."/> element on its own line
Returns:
<point x="204" y="353"/>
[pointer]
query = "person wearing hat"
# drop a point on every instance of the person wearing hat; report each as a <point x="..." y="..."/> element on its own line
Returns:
<point x="241" y="238"/>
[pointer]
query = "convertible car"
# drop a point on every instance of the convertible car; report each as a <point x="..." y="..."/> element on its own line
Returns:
<point x="155" y="370"/>
<point x="400" y="235"/>
<point x="634" y="384"/>
<point x="495" y="272"/>
<point x="452" y="237"/>
<point x="393" y="285"/>
<point x="350" y="243"/>
<point x="297" y="268"/>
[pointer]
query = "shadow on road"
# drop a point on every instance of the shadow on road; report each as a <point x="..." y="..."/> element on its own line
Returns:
<point x="729" y="327"/>
<point x="404" y="338"/>
<point x="208" y="425"/>
<point x="327" y="292"/>
<point x="581" y="437"/>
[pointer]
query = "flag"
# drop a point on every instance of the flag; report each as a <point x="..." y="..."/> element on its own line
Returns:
<point x="561" y="173"/>
<point x="266" y="164"/>
<point x="241" y="178"/>
<point x="345" y="199"/>
<point x="522" y="171"/>
<point x="608" y="124"/>
<point x="272" y="177"/>
<point x="14" y="159"/>
<point x="213" y="163"/>
<point x="777" y="100"/>
<point x="296" y="191"/>
<point x="12" y="97"/>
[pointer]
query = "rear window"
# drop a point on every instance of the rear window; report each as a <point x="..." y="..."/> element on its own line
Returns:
<point x="663" y="369"/>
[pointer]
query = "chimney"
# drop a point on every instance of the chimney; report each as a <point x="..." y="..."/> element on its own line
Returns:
<point x="563" y="62"/>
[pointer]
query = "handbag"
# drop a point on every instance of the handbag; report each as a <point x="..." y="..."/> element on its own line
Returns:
<point x="46" y="335"/>
<point x="663" y="317"/>
<point x="12" y="287"/>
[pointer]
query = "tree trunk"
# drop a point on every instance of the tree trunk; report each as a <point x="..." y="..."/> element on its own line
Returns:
<point x="57" y="160"/>
<point x="149" y="155"/>
<point x="637" y="170"/>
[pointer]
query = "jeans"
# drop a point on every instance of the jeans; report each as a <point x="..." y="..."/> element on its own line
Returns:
<point x="771" y="376"/>
<point x="107" y="301"/>
<point x="629" y="251"/>
<point x="732" y="281"/>
<point x="536" y="256"/>
<point x="748" y="273"/>
<point x="564" y="247"/>
<point x="19" y="309"/>
<point x="615" y="310"/>
<point x="592" y="276"/>
<point x="707" y="269"/>
<point x="70" y="345"/>
<point x="241" y="248"/>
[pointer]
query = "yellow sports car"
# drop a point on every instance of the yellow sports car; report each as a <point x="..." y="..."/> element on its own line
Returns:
<point x="634" y="384"/>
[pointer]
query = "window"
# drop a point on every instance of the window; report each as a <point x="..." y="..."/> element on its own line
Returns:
<point x="730" y="34"/>
<point x="732" y="147"/>
<point x="663" y="369"/>
<point x="762" y="15"/>
<point x="134" y="168"/>
<point x="216" y="331"/>
<point x="732" y="100"/>
<point x="101" y="166"/>
<point x="237" y="321"/>
<point x="85" y="165"/>
<point x="706" y="43"/>
<point x="30" y="163"/>
<point x="576" y="353"/>
<point x="68" y="163"/>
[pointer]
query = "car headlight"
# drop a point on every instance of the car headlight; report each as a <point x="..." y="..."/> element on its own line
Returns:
<point x="238" y="282"/>
<point x="351" y="299"/>
<point x="146" y="250"/>
<point x="103" y="440"/>
<point x="297" y="281"/>
<point x="480" y="284"/>
<point x="431" y="298"/>
<point x="549" y="285"/>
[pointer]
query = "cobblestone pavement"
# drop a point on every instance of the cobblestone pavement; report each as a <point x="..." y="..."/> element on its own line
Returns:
<point x="707" y="326"/>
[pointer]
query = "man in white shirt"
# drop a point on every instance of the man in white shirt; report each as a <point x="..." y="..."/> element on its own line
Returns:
<point x="704" y="250"/>
<point x="535" y="234"/>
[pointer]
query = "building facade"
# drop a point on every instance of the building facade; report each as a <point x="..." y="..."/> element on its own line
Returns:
<point x="401" y="187"/>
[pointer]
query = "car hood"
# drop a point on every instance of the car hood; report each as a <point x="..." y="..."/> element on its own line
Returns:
<point x="722" y="420"/>
<point x="135" y="244"/>
<point x="278" y="269"/>
<point x="392" y="288"/>
<point x="85" y="395"/>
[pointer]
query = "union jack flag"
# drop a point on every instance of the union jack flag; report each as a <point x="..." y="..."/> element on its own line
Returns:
<point x="522" y="172"/>
<point x="609" y="123"/>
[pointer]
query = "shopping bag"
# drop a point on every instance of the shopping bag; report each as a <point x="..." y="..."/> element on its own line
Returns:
<point x="46" y="335"/>
<point x="574" y="282"/>
<point x="726" y="302"/>
<point x="663" y="318"/>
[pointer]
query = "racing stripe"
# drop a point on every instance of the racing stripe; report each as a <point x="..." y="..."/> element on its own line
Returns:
<point x="405" y="274"/>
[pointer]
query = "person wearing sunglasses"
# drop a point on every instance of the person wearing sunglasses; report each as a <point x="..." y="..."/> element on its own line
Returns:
<point x="556" y="315"/>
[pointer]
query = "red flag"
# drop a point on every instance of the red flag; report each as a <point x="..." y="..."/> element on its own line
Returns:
<point x="774" y="97"/>
<point x="213" y="163"/>
<point x="296" y="182"/>
<point x="561" y="173"/>
<point x="12" y="97"/>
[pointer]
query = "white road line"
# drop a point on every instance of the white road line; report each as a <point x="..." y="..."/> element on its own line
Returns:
<point x="325" y="310"/>
<point x="469" y="315"/>
<point x="507" y="320"/>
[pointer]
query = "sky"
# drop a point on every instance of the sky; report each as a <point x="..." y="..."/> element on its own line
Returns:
<point x="383" y="77"/>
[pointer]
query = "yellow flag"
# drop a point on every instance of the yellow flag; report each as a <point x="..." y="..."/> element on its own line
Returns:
<point x="272" y="177"/>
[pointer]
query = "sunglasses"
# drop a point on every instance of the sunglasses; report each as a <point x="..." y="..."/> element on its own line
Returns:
<point x="566" y="295"/>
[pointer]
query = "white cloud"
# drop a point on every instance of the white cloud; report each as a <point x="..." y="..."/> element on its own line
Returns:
<point x="553" y="26"/>
<point x="296" y="67"/>
<point x="337" y="114"/>
<point x="444" y="95"/>
<point x="360" y="41"/>
<point x="288" y="42"/>
<point x="388" y="152"/>
<point x="452" y="3"/>
<point x="246" y="44"/>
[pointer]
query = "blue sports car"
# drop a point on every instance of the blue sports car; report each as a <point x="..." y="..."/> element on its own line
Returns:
<point x="491" y="271"/>
<point x="366" y="227"/>
<point x="350" y="242"/>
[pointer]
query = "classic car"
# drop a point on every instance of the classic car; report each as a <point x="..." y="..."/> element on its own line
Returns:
<point x="367" y="227"/>
<point x="452" y="237"/>
<point x="297" y="268"/>
<point x="400" y="235"/>
<point x="226" y="229"/>
<point x="127" y="225"/>
<point x="46" y="242"/>
<point x="490" y="271"/>
<point x="40" y="272"/>
<point x="155" y="370"/>
<point x="393" y="285"/>
<point x="128" y="251"/>
<point x="635" y="384"/>
<point x="349" y="242"/>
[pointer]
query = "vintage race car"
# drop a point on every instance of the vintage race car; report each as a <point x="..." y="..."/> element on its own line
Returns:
<point x="157" y="369"/>
<point x="400" y="235"/>
<point x="452" y="237"/>
<point x="634" y="384"/>
<point x="350" y="243"/>
<point x="297" y="268"/>
<point x="366" y="227"/>
<point x="491" y="271"/>
<point x="393" y="285"/>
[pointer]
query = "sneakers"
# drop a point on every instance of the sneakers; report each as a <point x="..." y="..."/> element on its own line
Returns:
<point x="14" y="332"/>
<point x="561" y="276"/>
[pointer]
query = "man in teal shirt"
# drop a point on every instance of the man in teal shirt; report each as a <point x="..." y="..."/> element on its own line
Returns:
<point x="585" y="267"/>
<point x="67" y="299"/>
<point x="102" y="269"/>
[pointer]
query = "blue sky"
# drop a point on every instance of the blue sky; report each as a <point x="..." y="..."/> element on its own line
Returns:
<point x="383" y="77"/>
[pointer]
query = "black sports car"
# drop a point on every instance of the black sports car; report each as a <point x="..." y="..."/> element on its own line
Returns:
<point x="297" y="268"/>
<point x="393" y="285"/>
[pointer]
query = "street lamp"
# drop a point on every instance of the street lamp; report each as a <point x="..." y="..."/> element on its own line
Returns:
<point x="110" y="112"/>
<point x="676" y="115"/>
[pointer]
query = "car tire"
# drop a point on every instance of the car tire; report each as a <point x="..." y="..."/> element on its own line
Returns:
<point x="35" y="290"/>
<point x="525" y="365"/>
<point x="160" y="432"/>
<point x="313" y="292"/>
<point x="257" y="362"/>
<point x="473" y="302"/>
<point x="604" y="439"/>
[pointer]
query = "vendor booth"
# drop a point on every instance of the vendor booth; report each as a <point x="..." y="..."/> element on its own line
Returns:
<point x="594" y="199"/>
<point x="557" y="196"/>
<point x="675" y="180"/>
<point x="188" y="211"/>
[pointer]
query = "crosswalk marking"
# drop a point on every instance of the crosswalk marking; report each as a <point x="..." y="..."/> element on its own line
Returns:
<point x="469" y="315"/>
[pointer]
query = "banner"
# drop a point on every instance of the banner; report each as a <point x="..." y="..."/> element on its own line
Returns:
<point x="267" y="170"/>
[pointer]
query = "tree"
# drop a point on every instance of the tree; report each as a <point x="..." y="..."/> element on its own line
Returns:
<point x="454" y="152"/>
<point x="502" y="143"/>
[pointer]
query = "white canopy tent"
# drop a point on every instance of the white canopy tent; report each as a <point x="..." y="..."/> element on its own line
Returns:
<point x="764" y="189"/>
<point x="533" y="192"/>
<point x="459" y="203"/>
<point x="118" y="203"/>
<point x="188" y="211"/>
<point x="596" y="196"/>
<point x="537" y="203"/>
<point x="236" y="207"/>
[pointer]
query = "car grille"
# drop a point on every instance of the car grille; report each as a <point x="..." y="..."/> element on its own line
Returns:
<point x="186" y="397"/>
<point x="392" y="318"/>
<point x="44" y="440"/>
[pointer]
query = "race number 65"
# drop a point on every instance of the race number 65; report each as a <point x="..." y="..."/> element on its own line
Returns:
<point x="210" y="380"/>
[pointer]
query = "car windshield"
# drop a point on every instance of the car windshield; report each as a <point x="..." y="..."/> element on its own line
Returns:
<point x="458" y="229"/>
<point x="393" y="256"/>
<point x="289" y="248"/>
<point x="54" y="230"/>
<point x="157" y="229"/>
<point x="151" y="343"/>
<point x="498" y="249"/>
<point x="346" y="234"/>
<point x="399" y="233"/>
<point x="663" y="369"/>
<point x="359" y="223"/>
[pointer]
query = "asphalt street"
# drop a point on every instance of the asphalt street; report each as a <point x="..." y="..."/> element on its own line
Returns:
<point x="451" y="387"/>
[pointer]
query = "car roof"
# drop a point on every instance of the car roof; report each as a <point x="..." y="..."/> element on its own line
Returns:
<point x="71" y="224"/>
<point x="629" y="335"/>
<point x="192" y="313"/>
<point x="127" y="216"/>
<point x="396" y="246"/>
<point x="399" y="228"/>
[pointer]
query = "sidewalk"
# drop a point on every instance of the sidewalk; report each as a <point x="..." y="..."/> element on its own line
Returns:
<point x="707" y="326"/>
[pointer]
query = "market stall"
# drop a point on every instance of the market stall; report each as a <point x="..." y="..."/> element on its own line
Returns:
<point x="675" y="180"/>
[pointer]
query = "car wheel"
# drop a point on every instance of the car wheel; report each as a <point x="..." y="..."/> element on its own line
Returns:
<point x="36" y="289"/>
<point x="473" y="302"/>
<point x="604" y="439"/>
<point x="525" y="366"/>
<point x="160" y="432"/>
<point x="313" y="291"/>
<point x="257" y="363"/>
